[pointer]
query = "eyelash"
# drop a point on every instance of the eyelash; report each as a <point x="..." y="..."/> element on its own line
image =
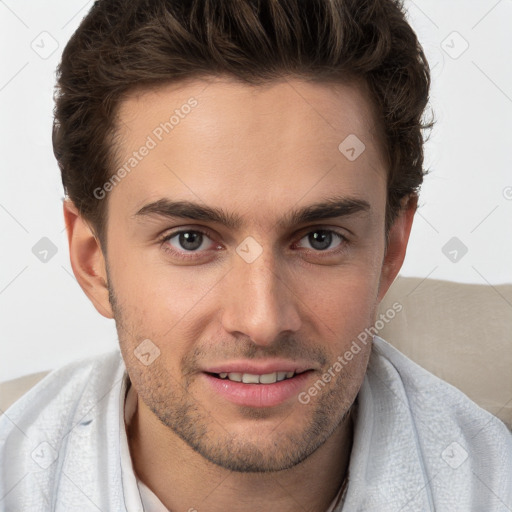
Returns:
<point x="193" y="254"/>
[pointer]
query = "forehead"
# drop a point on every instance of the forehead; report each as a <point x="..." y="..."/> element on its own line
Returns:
<point x="224" y="106"/>
<point x="222" y="141"/>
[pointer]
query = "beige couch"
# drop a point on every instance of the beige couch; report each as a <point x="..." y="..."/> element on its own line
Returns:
<point x="460" y="332"/>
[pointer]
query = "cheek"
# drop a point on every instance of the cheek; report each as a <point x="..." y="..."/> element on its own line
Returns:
<point x="347" y="308"/>
<point x="340" y="303"/>
<point x="148" y="284"/>
<point x="168" y="305"/>
<point x="351" y="284"/>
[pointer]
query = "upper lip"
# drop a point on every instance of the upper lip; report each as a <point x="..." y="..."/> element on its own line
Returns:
<point x="259" y="368"/>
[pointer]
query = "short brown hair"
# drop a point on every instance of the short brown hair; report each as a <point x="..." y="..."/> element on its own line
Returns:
<point x="123" y="45"/>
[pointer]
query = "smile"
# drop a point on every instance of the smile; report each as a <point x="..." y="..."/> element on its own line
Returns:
<point x="251" y="378"/>
<point x="257" y="390"/>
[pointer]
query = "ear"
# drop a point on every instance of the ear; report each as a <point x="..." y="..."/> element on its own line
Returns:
<point x="397" y="244"/>
<point x="87" y="259"/>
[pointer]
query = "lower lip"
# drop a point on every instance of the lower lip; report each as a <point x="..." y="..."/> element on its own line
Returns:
<point x="258" y="395"/>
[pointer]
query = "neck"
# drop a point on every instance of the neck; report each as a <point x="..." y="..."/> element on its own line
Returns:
<point x="183" y="480"/>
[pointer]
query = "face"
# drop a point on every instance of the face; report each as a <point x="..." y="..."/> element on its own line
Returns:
<point x="244" y="241"/>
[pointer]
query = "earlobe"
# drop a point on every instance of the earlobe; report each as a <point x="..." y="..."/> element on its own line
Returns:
<point x="87" y="260"/>
<point x="397" y="244"/>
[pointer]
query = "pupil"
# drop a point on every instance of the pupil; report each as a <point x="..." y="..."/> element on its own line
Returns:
<point x="320" y="240"/>
<point x="191" y="240"/>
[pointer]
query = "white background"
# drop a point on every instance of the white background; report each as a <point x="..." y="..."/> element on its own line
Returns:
<point x="46" y="320"/>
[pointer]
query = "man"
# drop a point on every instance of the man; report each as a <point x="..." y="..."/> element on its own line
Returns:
<point x="241" y="182"/>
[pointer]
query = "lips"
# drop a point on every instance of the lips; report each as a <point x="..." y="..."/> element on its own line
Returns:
<point x="261" y="390"/>
<point x="258" y="382"/>
<point x="253" y="378"/>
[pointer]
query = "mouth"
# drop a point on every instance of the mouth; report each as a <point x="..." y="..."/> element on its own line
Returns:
<point x="258" y="389"/>
<point x="253" y="378"/>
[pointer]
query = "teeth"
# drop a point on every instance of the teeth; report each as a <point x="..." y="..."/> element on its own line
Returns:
<point x="250" y="378"/>
<point x="268" y="378"/>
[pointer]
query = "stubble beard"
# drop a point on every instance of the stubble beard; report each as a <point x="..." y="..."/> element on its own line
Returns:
<point x="173" y="403"/>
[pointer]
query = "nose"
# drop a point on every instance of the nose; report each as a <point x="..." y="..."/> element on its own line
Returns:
<point x="258" y="302"/>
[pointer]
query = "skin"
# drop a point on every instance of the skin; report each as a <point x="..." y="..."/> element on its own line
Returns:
<point x="256" y="152"/>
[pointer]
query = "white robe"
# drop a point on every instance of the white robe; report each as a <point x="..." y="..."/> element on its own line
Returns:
<point x="419" y="444"/>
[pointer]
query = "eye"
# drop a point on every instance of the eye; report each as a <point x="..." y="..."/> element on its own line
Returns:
<point x="321" y="239"/>
<point x="191" y="240"/>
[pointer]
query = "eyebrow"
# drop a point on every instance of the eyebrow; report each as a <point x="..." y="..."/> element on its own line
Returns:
<point x="334" y="207"/>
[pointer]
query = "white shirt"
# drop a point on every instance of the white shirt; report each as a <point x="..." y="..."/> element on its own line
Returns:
<point x="419" y="444"/>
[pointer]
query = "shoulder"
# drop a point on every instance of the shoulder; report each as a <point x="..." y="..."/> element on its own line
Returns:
<point x="426" y="394"/>
<point x="68" y="424"/>
<point x="67" y="381"/>
<point x="58" y="390"/>
<point x="456" y="439"/>
<point x="58" y="401"/>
